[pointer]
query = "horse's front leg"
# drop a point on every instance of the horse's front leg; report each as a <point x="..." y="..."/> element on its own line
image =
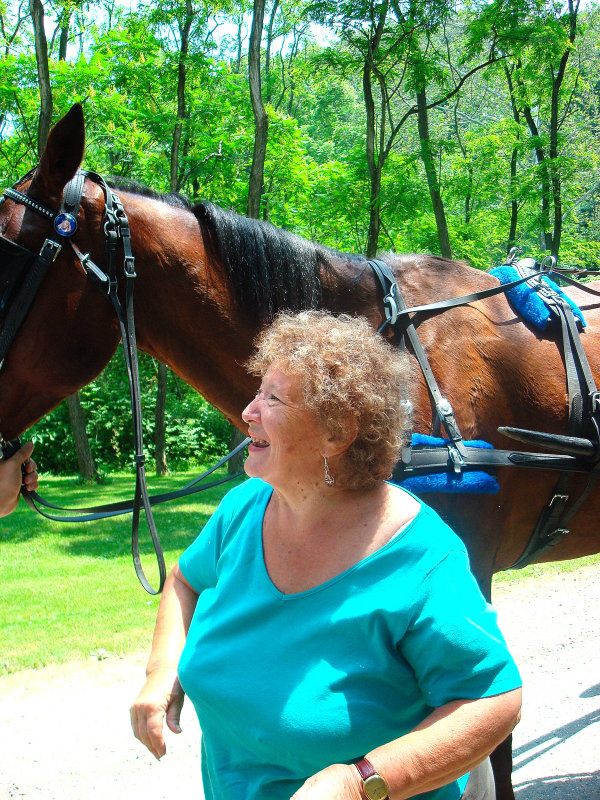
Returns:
<point x="502" y="764"/>
<point x="501" y="758"/>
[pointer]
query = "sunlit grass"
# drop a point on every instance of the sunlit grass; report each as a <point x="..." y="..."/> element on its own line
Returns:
<point x="69" y="590"/>
<point x="535" y="571"/>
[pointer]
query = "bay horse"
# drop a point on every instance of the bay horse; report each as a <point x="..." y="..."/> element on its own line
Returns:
<point x="208" y="280"/>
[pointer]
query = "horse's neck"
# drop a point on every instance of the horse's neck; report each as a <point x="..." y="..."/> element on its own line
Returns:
<point x="184" y="315"/>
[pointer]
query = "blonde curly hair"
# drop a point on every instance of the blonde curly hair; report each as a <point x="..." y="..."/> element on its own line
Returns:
<point x="347" y="372"/>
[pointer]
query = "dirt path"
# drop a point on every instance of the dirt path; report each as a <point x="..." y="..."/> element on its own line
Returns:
<point x="65" y="731"/>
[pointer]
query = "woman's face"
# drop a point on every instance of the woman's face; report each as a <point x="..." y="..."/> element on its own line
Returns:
<point x="287" y="440"/>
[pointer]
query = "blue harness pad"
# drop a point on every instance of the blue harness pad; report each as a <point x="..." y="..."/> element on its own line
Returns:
<point x="466" y="482"/>
<point x="526" y="301"/>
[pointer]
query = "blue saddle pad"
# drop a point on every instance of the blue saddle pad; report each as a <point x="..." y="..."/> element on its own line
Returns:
<point x="527" y="302"/>
<point x="466" y="482"/>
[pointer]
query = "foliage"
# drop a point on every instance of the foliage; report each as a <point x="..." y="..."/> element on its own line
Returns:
<point x="197" y="434"/>
<point x="511" y="145"/>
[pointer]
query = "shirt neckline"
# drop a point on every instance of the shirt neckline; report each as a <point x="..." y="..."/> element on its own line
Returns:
<point x="284" y="596"/>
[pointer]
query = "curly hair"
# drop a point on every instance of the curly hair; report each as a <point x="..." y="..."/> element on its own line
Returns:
<point x="347" y="371"/>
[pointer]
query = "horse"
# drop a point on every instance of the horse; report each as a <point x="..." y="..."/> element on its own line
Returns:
<point x="208" y="280"/>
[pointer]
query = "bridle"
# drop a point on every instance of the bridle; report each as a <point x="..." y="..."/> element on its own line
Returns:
<point x="16" y="301"/>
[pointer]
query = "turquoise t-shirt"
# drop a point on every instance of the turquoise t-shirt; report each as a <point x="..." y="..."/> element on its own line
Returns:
<point x="285" y="685"/>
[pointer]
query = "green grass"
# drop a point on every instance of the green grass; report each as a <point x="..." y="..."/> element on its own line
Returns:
<point x="70" y="590"/>
<point x="536" y="571"/>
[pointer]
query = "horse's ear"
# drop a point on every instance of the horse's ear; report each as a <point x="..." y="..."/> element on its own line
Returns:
<point x="61" y="158"/>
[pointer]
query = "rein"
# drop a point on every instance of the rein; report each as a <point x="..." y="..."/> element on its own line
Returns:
<point x="116" y="231"/>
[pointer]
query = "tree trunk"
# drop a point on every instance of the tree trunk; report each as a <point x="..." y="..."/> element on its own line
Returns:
<point x="64" y="35"/>
<point x="85" y="459"/>
<point x="374" y="165"/>
<point x="268" y="53"/>
<point x="514" y="206"/>
<point x="261" y="120"/>
<point x="240" y="41"/>
<point x="255" y="184"/>
<point x="430" y="172"/>
<point x="236" y="464"/>
<point x="514" y="160"/>
<point x="184" y="31"/>
<point x="160" y="448"/>
<point x="87" y="468"/>
<point x="41" y="57"/>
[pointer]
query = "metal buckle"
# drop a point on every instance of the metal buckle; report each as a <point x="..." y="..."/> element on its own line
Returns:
<point x="54" y="248"/>
<point x="129" y="267"/>
<point x="392" y="309"/>
<point x="558" y="532"/>
<point x="456" y="458"/>
<point x="562" y="497"/>
<point x="444" y="408"/>
<point x="595" y="398"/>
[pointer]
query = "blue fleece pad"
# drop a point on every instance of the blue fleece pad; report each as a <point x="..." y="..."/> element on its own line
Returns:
<point x="466" y="482"/>
<point x="527" y="302"/>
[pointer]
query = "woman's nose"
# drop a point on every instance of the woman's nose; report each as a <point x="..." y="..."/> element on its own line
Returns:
<point x="251" y="411"/>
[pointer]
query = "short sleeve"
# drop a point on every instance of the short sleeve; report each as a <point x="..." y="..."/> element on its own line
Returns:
<point x="453" y="642"/>
<point x="198" y="562"/>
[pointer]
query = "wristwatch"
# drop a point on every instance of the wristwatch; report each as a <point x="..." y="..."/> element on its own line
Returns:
<point x="374" y="786"/>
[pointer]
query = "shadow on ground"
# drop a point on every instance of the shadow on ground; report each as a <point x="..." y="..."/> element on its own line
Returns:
<point x="585" y="786"/>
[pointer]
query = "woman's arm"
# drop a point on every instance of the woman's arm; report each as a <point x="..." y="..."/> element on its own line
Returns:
<point x="448" y="743"/>
<point x="162" y="695"/>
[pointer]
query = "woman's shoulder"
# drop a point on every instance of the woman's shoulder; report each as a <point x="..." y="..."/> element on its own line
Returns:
<point x="249" y="494"/>
<point x="426" y="529"/>
<point x="250" y="488"/>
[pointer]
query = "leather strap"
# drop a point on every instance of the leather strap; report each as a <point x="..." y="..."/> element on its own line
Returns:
<point x="26" y="294"/>
<point x="367" y="770"/>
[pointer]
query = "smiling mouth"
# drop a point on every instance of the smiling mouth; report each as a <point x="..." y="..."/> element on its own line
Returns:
<point x="259" y="442"/>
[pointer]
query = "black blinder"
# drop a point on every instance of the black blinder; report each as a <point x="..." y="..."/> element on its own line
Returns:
<point x="15" y="262"/>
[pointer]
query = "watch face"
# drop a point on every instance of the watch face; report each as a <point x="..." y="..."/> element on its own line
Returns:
<point x="375" y="787"/>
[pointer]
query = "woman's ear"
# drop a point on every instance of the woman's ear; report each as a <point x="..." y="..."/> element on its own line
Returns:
<point x="336" y="444"/>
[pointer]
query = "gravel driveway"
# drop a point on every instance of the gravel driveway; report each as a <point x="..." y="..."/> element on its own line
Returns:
<point x="65" y="731"/>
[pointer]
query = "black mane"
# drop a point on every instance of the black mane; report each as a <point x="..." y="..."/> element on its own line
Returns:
<point x="133" y="187"/>
<point x="268" y="269"/>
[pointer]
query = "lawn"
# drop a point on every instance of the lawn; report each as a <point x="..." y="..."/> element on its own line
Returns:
<point x="69" y="591"/>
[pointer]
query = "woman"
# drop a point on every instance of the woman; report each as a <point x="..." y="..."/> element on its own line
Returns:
<point x="325" y="615"/>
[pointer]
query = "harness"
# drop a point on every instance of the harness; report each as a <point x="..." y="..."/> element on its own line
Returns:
<point x="15" y="304"/>
<point x="578" y="454"/>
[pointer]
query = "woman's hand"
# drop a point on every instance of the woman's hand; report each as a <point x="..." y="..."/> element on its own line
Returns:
<point x="161" y="698"/>
<point x="337" y="782"/>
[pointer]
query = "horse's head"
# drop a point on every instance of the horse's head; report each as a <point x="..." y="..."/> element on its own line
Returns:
<point x="69" y="332"/>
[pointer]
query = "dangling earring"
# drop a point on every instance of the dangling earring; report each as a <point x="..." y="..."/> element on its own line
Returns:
<point x="329" y="479"/>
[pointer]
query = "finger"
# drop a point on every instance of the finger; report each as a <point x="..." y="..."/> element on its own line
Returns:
<point x="174" y="713"/>
<point x="24" y="452"/>
<point x="30" y="480"/>
<point x="148" y="729"/>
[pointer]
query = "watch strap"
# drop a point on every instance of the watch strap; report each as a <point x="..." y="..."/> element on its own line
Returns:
<point x="367" y="770"/>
